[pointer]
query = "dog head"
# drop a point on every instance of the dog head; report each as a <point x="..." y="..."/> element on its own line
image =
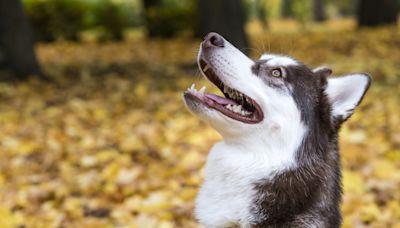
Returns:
<point x="273" y="96"/>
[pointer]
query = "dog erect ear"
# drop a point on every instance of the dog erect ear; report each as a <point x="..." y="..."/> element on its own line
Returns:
<point x="323" y="71"/>
<point x="346" y="92"/>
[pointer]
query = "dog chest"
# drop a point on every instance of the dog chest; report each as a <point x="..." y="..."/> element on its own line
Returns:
<point x="227" y="193"/>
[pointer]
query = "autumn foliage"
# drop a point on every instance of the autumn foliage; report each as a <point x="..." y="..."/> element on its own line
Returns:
<point x="109" y="143"/>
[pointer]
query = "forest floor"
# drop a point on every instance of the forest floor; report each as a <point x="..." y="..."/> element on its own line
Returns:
<point x="110" y="143"/>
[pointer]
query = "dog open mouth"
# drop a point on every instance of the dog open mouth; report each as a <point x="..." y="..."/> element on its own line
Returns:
<point x="235" y="104"/>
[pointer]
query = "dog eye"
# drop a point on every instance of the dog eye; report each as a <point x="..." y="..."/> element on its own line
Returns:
<point x="276" y="73"/>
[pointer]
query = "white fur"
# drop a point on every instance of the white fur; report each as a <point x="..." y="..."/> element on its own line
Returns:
<point x="346" y="92"/>
<point x="279" y="60"/>
<point x="249" y="152"/>
<point x="320" y="68"/>
<point x="231" y="171"/>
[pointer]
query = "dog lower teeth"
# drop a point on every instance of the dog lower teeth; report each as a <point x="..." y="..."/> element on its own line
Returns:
<point x="232" y="94"/>
<point x="194" y="90"/>
<point x="237" y="109"/>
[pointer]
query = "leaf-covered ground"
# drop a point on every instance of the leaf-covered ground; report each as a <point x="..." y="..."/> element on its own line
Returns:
<point x="110" y="144"/>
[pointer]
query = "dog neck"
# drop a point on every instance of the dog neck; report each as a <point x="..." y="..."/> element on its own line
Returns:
<point x="278" y="177"/>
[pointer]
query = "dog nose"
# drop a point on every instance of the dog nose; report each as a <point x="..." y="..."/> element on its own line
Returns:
<point x="213" y="39"/>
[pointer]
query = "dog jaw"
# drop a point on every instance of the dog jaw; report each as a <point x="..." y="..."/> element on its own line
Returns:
<point x="234" y="70"/>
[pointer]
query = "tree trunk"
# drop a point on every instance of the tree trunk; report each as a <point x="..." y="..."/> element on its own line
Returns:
<point x="262" y="13"/>
<point x="287" y="10"/>
<point x="16" y="40"/>
<point x="225" y="17"/>
<point x="374" y="13"/>
<point x="319" y="10"/>
<point x="153" y="25"/>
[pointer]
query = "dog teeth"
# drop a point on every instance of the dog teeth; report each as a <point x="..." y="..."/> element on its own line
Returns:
<point x="245" y="113"/>
<point x="202" y="89"/>
<point x="193" y="89"/>
<point x="237" y="109"/>
<point x="233" y="94"/>
<point x="206" y="67"/>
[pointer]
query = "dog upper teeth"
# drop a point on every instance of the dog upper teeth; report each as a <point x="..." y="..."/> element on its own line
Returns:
<point x="226" y="89"/>
<point x="206" y="67"/>
<point x="233" y="94"/>
<point x="202" y="89"/>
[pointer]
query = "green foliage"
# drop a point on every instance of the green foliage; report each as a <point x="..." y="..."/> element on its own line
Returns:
<point x="109" y="18"/>
<point x="273" y="8"/>
<point x="65" y="19"/>
<point x="302" y="10"/>
<point x="343" y="7"/>
<point x="56" y="19"/>
<point x="171" y="17"/>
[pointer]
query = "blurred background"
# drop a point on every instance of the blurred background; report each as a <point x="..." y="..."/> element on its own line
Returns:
<point x="93" y="131"/>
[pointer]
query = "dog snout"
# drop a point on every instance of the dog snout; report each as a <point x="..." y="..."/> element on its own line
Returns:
<point x="213" y="39"/>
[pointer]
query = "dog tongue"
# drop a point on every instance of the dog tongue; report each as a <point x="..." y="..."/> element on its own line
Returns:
<point x="219" y="100"/>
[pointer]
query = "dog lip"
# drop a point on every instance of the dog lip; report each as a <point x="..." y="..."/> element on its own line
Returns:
<point x="256" y="115"/>
<point x="205" y="100"/>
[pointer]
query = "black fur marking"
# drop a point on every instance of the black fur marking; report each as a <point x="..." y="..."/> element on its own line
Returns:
<point x="264" y="71"/>
<point x="310" y="194"/>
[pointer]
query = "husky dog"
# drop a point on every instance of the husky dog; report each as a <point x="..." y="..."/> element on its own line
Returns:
<point x="278" y="164"/>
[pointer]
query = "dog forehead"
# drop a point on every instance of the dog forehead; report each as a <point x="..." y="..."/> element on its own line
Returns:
<point x="278" y="60"/>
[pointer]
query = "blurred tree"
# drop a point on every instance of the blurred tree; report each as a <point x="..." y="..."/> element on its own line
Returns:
<point x="16" y="40"/>
<point x="302" y="11"/>
<point x="56" y="19"/>
<point x="344" y="7"/>
<point x="150" y="6"/>
<point x="374" y="13"/>
<point x="262" y="13"/>
<point x="167" y="18"/>
<point x="319" y="11"/>
<point x="225" y="17"/>
<point x="109" y="17"/>
<point x="287" y="10"/>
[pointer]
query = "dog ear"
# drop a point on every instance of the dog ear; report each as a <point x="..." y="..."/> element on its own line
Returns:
<point x="323" y="71"/>
<point x="345" y="93"/>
